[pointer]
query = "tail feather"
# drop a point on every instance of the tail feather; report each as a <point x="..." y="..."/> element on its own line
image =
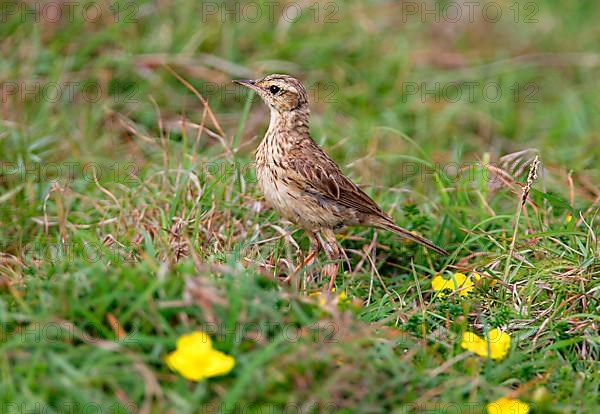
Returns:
<point x="388" y="225"/>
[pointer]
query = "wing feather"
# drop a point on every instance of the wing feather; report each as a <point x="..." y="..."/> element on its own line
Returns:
<point x="319" y="174"/>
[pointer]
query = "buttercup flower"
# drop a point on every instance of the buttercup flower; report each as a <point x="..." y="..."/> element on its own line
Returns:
<point x="458" y="282"/>
<point x="341" y="298"/>
<point x="507" y="406"/>
<point x="495" y="345"/>
<point x="319" y="296"/>
<point x="195" y="358"/>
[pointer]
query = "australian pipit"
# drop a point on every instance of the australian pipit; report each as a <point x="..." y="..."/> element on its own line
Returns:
<point x="302" y="182"/>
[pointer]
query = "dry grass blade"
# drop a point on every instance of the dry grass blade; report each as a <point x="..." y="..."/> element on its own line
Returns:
<point x="531" y="177"/>
<point x="211" y="115"/>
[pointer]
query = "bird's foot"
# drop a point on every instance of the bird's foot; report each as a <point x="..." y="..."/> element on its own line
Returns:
<point x="304" y="272"/>
<point x="330" y="270"/>
<point x="307" y="262"/>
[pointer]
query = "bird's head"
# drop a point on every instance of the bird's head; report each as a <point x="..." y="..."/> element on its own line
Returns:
<point x="281" y="93"/>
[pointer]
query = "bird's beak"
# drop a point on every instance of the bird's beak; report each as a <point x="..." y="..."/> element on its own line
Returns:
<point x="247" y="83"/>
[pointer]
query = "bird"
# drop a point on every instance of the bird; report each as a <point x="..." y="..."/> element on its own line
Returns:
<point x="303" y="183"/>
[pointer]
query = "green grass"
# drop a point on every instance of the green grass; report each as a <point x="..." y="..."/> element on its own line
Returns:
<point x="99" y="275"/>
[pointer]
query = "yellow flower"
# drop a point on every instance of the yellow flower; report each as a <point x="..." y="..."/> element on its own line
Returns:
<point x="495" y="345"/>
<point x="319" y="296"/>
<point x="568" y="218"/>
<point x="458" y="282"/>
<point x="195" y="358"/>
<point x="341" y="298"/>
<point x="507" y="406"/>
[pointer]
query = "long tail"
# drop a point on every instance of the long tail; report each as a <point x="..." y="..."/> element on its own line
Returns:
<point x="388" y="225"/>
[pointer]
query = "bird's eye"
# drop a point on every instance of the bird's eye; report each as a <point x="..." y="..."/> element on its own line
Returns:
<point x="274" y="89"/>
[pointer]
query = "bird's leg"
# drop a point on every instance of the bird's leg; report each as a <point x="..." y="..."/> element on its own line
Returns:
<point x="334" y="254"/>
<point x="312" y="253"/>
<point x="313" y="249"/>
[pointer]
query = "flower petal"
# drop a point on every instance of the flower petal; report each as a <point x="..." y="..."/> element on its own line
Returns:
<point x="195" y="359"/>
<point x="438" y="283"/>
<point x="495" y="345"/>
<point x="499" y="343"/>
<point x="473" y="343"/>
<point x="458" y="282"/>
<point x="218" y="363"/>
<point x="196" y="342"/>
<point x="507" y="406"/>
<point x="186" y="365"/>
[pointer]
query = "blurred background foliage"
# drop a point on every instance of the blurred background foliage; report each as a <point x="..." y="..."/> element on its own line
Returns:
<point x="412" y="99"/>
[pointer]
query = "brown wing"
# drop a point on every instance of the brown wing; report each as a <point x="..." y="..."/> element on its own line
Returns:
<point x="320" y="175"/>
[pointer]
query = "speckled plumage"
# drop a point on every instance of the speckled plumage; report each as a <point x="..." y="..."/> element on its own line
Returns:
<point x="300" y="180"/>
